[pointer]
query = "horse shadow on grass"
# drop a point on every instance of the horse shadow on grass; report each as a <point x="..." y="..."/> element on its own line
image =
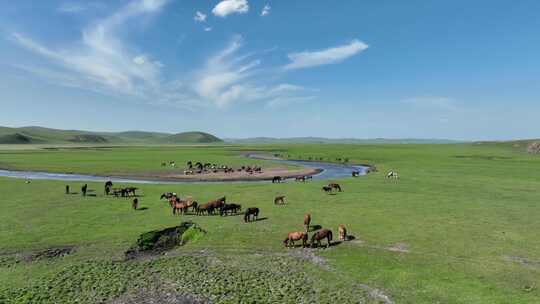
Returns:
<point x="260" y="219"/>
<point x="142" y="209"/>
<point x="314" y="228"/>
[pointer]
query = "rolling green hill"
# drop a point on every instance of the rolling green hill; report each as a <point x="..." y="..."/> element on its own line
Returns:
<point x="40" y="135"/>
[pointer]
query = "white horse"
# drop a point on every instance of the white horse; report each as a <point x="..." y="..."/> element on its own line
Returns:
<point x="392" y="174"/>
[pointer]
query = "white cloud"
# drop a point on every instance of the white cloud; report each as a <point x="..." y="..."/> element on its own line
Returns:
<point x="332" y="55"/>
<point x="78" y="7"/>
<point x="231" y="78"/>
<point x="227" y="7"/>
<point x="207" y="29"/>
<point x="102" y="58"/>
<point x="266" y="10"/>
<point x="199" y="17"/>
<point x="140" y="60"/>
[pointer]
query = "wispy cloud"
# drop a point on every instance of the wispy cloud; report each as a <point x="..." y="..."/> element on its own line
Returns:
<point x="102" y="57"/>
<point x="331" y="55"/>
<point x="102" y="61"/>
<point x="78" y="7"/>
<point x="199" y="17"/>
<point x="230" y="77"/>
<point x="208" y="29"/>
<point x="227" y="7"/>
<point x="266" y="10"/>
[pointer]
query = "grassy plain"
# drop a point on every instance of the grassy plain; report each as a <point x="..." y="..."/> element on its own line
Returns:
<point x="460" y="226"/>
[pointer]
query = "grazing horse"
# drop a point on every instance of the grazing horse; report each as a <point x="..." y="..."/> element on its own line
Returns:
<point x="335" y="186"/>
<point x="167" y="195"/>
<point x="300" y="179"/>
<point x="179" y="206"/>
<point x="392" y="174"/>
<point x="251" y="211"/>
<point x="342" y="233"/>
<point x="277" y="179"/>
<point x="355" y="173"/>
<point x="135" y="204"/>
<point x="322" y="234"/>
<point x="232" y="208"/>
<point x="295" y="236"/>
<point x="201" y="209"/>
<point x="108" y="186"/>
<point x="327" y="189"/>
<point x="307" y="221"/>
<point x="84" y="189"/>
<point x="216" y="204"/>
<point x="279" y="200"/>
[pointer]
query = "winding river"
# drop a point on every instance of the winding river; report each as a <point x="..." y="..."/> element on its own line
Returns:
<point x="327" y="171"/>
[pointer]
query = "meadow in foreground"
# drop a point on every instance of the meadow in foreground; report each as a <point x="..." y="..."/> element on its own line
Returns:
<point x="460" y="226"/>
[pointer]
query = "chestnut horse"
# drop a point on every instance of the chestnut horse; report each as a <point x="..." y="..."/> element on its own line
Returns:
<point x="342" y="233"/>
<point x="216" y="204"/>
<point x="322" y="234"/>
<point x="307" y="221"/>
<point x="295" y="236"/>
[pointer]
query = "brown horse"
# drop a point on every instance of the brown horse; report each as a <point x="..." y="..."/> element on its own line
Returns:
<point x="295" y="236"/>
<point x="300" y="179"/>
<point x="342" y="233"/>
<point x="322" y="234"/>
<point x="335" y="186"/>
<point x="279" y="200"/>
<point x="307" y="221"/>
<point x="355" y="173"/>
<point x="135" y="204"/>
<point x="216" y="204"/>
<point x="179" y="207"/>
<point x="251" y="211"/>
<point x="201" y="209"/>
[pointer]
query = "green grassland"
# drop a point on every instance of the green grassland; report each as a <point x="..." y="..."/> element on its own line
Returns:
<point x="466" y="218"/>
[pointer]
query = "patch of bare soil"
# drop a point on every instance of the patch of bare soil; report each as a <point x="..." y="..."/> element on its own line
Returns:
<point x="523" y="261"/>
<point x="399" y="247"/>
<point x="159" y="296"/>
<point x="267" y="174"/>
<point x="52" y="253"/>
<point x="308" y="254"/>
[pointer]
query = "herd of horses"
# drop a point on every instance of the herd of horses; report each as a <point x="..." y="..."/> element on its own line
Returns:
<point x="181" y="206"/>
<point x="204" y="168"/>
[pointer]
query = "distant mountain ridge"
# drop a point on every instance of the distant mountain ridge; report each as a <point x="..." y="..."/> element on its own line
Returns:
<point x="323" y="140"/>
<point x="41" y="135"/>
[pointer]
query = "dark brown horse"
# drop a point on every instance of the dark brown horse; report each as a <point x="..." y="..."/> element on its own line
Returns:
<point x="279" y="200"/>
<point x="355" y="173"/>
<point x="135" y="204"/>
<point x="216" y="204"/>
<point x="249" y="212"/>
<point x="277" y="179"/>
<point x="300" y="179"/>
<point x="327" y="189"/>
<point x="320" y="235"/>
<point x="229" y="208"/>
<point x="295" y="236"/>
<point x="335" y="186"/>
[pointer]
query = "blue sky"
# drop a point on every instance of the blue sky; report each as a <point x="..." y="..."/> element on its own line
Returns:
<point x="245" y="68"/>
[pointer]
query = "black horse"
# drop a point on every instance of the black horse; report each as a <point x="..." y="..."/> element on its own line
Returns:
<point x="251" y="211"/>
<point x="277" y="179"/>
<point x="232" y="208"/>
